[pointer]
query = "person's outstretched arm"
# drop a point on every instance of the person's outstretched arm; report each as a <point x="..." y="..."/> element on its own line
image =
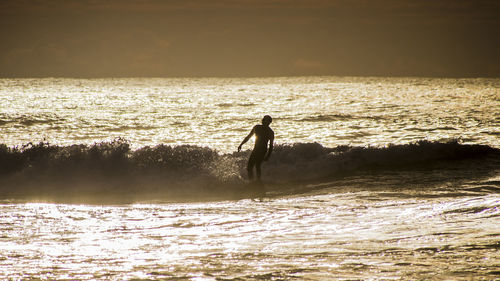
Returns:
<point x="246" y="138"/>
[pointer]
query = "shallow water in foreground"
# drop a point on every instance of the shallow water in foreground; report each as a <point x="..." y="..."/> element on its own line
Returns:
<point x="335" y="231"/>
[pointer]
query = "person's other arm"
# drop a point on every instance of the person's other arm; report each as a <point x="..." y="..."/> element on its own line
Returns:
<point x="246" y="138"/>
<point x="271" y="145"/>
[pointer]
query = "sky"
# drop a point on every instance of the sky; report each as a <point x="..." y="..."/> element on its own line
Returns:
<point x="249" y="38"/>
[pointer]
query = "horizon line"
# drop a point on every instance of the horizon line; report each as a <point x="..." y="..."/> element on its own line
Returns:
<point x="249" y="77"/>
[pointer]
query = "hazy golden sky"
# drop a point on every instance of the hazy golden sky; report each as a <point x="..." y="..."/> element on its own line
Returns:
<point x="166" y="38"/>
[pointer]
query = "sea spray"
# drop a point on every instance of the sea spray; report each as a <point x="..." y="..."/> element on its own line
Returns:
<point x="114" y="168"/>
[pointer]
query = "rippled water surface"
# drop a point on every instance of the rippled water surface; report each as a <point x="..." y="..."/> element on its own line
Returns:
<point x="217" y="112"/>
<point x="332" y="235"/>
<point x="415" y="219"/>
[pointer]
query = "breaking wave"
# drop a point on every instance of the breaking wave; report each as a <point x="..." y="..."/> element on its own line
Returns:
<point x="114" y="169"/>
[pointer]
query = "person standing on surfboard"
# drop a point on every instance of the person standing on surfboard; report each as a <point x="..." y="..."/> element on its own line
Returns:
<point x="263" y="135"/>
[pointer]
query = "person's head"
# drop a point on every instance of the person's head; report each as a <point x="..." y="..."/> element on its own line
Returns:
<point x="267" y="120"/>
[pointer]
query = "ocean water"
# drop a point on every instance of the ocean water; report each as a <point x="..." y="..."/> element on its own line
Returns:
<point x="139" y="179"/>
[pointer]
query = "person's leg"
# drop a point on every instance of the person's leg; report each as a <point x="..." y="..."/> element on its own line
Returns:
<point x="250" y="165"/>
<point x="257" y="169"/>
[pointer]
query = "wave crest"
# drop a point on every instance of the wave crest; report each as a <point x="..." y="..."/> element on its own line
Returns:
<point x="114" y="168"/>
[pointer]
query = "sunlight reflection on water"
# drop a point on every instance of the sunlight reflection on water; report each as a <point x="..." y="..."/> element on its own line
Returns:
<point x="214" y="112"/>
<point x="359" y="233"/>
<point x="380" y="227"/>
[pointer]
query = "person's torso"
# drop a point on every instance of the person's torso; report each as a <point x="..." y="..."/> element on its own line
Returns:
<point x="262" y="136"/>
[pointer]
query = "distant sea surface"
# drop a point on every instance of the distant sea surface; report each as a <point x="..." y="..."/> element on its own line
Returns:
<point x="371" y="178"/>
<point x="218" y="112"/>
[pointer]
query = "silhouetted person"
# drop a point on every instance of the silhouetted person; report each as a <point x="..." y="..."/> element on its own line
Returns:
<point x="263" y="135"/>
